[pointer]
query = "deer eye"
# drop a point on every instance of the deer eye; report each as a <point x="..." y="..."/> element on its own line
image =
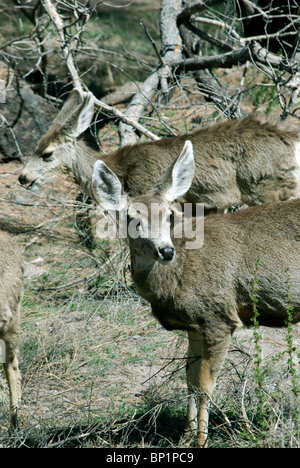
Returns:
<point x="47" y="154"/>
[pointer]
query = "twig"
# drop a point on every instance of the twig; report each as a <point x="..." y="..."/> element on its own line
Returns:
<point x="255" y="53"/>
<point x="14" y="137"/>
<point x="221" y="61"/>
<point x="51" y="10"/>
<point x="153" y="43"/>
<point x="256" y="7"/>
<point x="207" y="37"/>
<point x="125" y="119"/>
<point x="243" y="40"/>
<point x="77" y="82"/>
<point x="278" y="34"/>
<point x="195" y="7"/>
<point x="84" y="435"/>
<point x="244" y="412"/>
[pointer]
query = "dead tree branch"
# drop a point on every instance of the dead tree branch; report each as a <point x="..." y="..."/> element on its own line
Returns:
<point x="171" y="51"/>
<point x="254" y="52"/>
<point x="77" y="82"/>
<point x="271" y="65"/>
<point x="195" y="7"/>
<point x="172" y="14"/>
<point x="55" y="17"/>
<point x="181" y="51"/>
<point x="207" y="83"/>
<point x="175" y="22"/>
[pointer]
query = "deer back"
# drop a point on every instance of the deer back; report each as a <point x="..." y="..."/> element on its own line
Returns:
<point x="211" y="289"/>
<point x="248" y="161"/>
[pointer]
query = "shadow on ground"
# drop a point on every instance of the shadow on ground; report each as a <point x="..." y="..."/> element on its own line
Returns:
<point x="144" y="430"/>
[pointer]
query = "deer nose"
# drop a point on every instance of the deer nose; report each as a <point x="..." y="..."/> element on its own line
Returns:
<point x="167" y="253"/>
<point x="22" y="179"/>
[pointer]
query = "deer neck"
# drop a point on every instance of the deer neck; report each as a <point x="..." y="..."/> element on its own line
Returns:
<point x="160" y="285"/>
<point x="151" y="278"/>
<point x="81" y="165"/>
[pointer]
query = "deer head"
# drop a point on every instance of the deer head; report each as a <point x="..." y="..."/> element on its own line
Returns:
<point x="58" y="147"/>
<point x="149" y="215"/>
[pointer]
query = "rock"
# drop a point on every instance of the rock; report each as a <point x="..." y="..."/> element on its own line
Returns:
<point x="122" y="94"/>
<point x="24" y="116"/>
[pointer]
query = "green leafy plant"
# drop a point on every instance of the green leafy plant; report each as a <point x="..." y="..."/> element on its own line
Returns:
<point x="292" y="353"/>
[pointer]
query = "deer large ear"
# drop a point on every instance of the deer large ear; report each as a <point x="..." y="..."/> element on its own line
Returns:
<point x="77" y="113"/>
<point x="177" y="179"/>
<point x="74" y="101"/>
<point x="106" y="187"/>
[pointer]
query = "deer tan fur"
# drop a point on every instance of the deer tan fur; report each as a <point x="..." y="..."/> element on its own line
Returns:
<point x="208" y="292"/>
<point x="248" y="161"/>
<point x="11" y="292"/>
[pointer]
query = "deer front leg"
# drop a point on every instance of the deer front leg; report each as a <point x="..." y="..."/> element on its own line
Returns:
<point x="13" y="376"/>
<point x="203" y="365"/>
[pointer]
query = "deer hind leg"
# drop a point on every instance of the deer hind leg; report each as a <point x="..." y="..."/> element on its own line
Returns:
<point x="203" y="365"/>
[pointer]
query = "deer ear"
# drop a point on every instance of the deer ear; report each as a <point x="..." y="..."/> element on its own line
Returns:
<point x="74" y="101"/>
<point x="178" y="178"/>
<point x="82" y="117"/>
<point x="77" y="113"/>
<point x="106" y="187"/>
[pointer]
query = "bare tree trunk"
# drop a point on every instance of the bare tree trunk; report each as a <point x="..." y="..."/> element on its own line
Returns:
<point x="171" y="51"/>
<point x="137" y="107"/>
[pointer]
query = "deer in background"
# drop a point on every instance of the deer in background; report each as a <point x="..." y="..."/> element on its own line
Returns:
<point x="237" y="162"/>
<point x="11" y="293"/>
<point x="208" y="291"/>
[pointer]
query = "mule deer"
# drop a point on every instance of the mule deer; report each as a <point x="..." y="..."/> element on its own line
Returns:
<point x="11" y="292"/>
<point x="245" y="161"/>
<point x="208" y="291"/>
